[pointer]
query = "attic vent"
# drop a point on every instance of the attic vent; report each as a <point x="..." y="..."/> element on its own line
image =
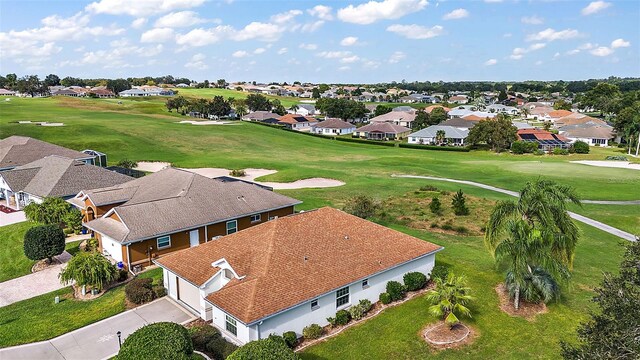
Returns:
<point x="346" y="237"/>
<point x="306" y="258"/>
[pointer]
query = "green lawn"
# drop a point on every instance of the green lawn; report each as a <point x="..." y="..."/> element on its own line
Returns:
<point x="13" y="263"/>
<point x="39" y="318"/>
<point x="143" y="130"/>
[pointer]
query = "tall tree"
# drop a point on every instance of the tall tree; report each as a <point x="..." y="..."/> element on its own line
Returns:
<point x="52" y="80"/>
<point x="498" y="133"/>
<point x="258" y="102"/>
<point x="381" y="110"/>
<point x="315" y="93"/>
<point x="422" y="120"/>
<point x="118" y="85"/>
<point x="437" y="116"/>
<point x="219" y="107"/>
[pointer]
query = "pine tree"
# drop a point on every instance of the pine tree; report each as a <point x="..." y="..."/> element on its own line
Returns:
<point x="459" y="206"/>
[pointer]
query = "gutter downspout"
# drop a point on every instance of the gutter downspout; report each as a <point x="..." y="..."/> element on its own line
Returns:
<point x="258" y="329"/>
<point x="206" y="236"/>
<point x="129" y="260"/>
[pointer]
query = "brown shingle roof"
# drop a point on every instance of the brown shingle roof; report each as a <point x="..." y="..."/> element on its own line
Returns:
<point x="290" y="260"/>
<point x="20" y="150"/>
<point x="395" y="116"/>
<point x="384" y="127"/>
<point x="334" y="124"/>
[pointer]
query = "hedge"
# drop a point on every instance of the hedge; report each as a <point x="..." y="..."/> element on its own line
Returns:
<point x="433" y="147"/>
<point x="361" y="141"/>
<point x="271" y="348"/>
<point x="163" y="340"/>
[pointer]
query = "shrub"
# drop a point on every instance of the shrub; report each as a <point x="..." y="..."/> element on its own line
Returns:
<point x="434" y="147"/>
<point x="459" y="206"/>
<point x="139" y="290"/>
<point x="435" y="206"/>
<point x="342" y="317"/>
<point x="414" y="281"/>
<point x="396" y="290"/>
<point x="365" y="304"/>
<point x="617" y="158"/>
<point x="238" y="173"/>
<point x="51" y="211"/>
<point x="433" y="225"/>
<point x="43" y="242"/>
<point x="439" y="272"/>
<point x="361" y="206"/>
<point x="538" y="152"/>
<point x="92" y="244"/>
<point x="220" y="348"/>
<point x="290" y="338"/>
<point x="67" y="231"/>
<point x="202" y="335"/>
<point x="312" y="331"/>
<point x="559" y="151"/>
<point x="127" y="164"/>
<point x="446" y="226"/>
<point x="332" y="321"/>
<point x="159" y="291"/>
<point x="461" y="229"/>
<point x="385" y="298"/>
<point x="90" y="269"/>
<point x="428" y="188"/>
<point x="73" y="220"/>
<point x="522" y="147"/>
<point x="122" y="275"/>
<point x="163" y="340"/>
<point x="579" y="147"/>
<point x="271" y="348"/>
<point x="358" y="311"/>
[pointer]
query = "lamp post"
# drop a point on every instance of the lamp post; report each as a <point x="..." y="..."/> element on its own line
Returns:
<point x="119" y="333"/>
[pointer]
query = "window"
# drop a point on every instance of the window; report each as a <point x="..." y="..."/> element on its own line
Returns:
<point x="231" y="325"/>
<point x="271" y="218"/>
<point x="365" y="283"/>
<point x="314" y="304"/>
<point x="342" y="296"/>
<point x="164" y="242"/>
<point x="255" y="218"/>
<point x="232" y="226"/>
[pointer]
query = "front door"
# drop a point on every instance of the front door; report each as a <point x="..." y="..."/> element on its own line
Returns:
<point x="194" y="238"/>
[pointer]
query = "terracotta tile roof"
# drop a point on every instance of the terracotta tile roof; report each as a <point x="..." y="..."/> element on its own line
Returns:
<point x="430" y="108"/>
<point x="473" y="117"/>
<point x="560" y="113"/>
<point x="293" y="259"/>
<point x="541" y="135"/>
<point x="295" y="119"/>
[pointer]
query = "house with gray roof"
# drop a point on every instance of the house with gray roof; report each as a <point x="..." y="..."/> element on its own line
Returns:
<point x="452" y="136"/>
<point x="173" y="209"/>
<point x="400" y="118"/>
<point x="21" y="150"/>
<point x="333" y="127"/>
<point x="53" y="176"/>
<point x="592" y="134"/>
<point x="382" y="131"/>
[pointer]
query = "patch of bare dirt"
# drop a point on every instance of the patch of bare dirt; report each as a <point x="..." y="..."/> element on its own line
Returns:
<point x="441" y="336"/>
<point x="526" y="310"/>
<point x="45" y="264"/>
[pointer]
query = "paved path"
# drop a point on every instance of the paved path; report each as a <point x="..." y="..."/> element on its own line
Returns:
<point x="602" y="226"/>
<point x="35" y="284"/>
<point x="12" y="218"/>
<point x="99" y="340"/>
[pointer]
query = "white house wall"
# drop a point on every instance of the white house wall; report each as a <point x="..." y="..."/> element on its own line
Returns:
<point x="112" y="247"/>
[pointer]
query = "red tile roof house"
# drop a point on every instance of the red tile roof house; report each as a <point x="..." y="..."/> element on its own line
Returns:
<point x="170" y="210"/>
<point x="297" y="122"/>
<point x="547" y="141"/>
<point x="291" y="272"/>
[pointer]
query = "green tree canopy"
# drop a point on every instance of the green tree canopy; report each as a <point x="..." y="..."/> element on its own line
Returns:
<point x="43" y="242"/>
<point x="163" y="340"/>
<point x="89" y="269"/>
<point x="271" y="348"/>
<point x="450" y="298"/>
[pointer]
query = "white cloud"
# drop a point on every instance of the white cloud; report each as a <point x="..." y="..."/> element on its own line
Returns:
<point x="456" y="14"/>
<point x="518" y="52"/>
<point x="57" y="28"/>
<point x="595" y="7"/>
<point x="282" y="51"/>
<point x="416" y="31"/>
<point x="551" y="35"/>
<point x="197" y="62"/>
<point x="308" y="46"/>
<point x="312" y="26"/>
<point x="373" y="11"/>
<point x="138" y="23"/>
<point x="157" y="35"/>
<point x="601" y="51"/>
<point x="618" y="43"/>
<point x="334" y="54"/>
<point x="259" y="51"/>
<point x="321" y="12"/>
<point x="240" y="54"/>
<point x="573" y="52"/>
<point x="344" y="68"/>
<point x="285" y="17"/>
<point x="140" y="8"/>
<point x="538" y="63"/>
<point x="254" y="31"/>
<point x="179" y="19"/>
<point x="490" y="62"/>
<point x="350" y="59"/>
<point x="259" y="31"/>
<point x="396" y="57"/>
<point x="586" y="46"/>
<point x="202" y="37"/>
<point x="532" y="20"/>
<point x="349" y="41"/>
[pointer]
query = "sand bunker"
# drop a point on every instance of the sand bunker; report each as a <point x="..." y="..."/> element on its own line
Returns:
<point x="205" y="122"/>
<point x="612" y="164"/>
<point x="41" y="123"/>
<point x="251" y="175"/>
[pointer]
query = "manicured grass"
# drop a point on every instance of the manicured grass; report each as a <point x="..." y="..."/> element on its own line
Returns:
<point x="624" y="217"/>
<point x="13" y="263"/>
<point x="286" y="101"/>
<point x="39" y="318"/>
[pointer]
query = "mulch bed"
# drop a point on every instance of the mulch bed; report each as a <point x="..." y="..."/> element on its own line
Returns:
<point x="440" y="336"/>
<point x="7" y="210"/>
<point x="44" y="264"/>
<point x="526" y="310"/>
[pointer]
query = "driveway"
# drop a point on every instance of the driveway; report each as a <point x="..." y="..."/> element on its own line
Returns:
<point x="12" y="218"/>
<point x="99" y="340"/>
<point x="28" y="286"/>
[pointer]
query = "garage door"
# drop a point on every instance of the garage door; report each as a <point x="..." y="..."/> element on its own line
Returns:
<point x="189" y="294"/>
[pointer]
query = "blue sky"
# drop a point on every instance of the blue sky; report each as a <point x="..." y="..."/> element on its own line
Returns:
<point x="322" y="41"/>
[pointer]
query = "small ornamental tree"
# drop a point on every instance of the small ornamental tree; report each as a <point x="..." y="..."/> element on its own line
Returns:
<point x="459" y="206"/>
<point x="73" y="220"/>
<point x="52" y="211"/>
<point x="43" y="242"/>
<point x="163" y="340"/>
<point x="361" y="206"/>
<point x="271" y="348"/>
<point x="435" y="206"/>
<point x="89" y="269"/>
<point x="449" y="299"/>
<point x="580" y="147"/>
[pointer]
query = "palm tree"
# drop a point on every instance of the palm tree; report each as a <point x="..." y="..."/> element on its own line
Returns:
<point x="533" y="237"/>
<point x="449" y="298"/>
<point x="440" y="137"/>
<point x="294" y="108"/>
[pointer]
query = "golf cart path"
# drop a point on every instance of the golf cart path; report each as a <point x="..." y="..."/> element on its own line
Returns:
<point x="602" y="226"/>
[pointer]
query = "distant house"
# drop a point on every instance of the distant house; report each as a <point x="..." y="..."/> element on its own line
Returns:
<point x="459" y="123"/>
<point x="459" y="99"/>
<point x="382" y="131"/>
<point x="305" y="110"/>
<point x="333" y="127"/>
<point x="430" y="108"/>
<point x="64" y="92"/>
<point x="261" y="116"/>
<point x="296" y="122"/>
<point x="102" y="93"/>
<point x="170" y="210"/>
<point x="453" y="136"/>
<point x="5" y="92"/>
<point x="182" y="85"/>
<point x="401" y="118"/>
<point x="133" y="93"/>
<point x="547" y="141"/>
<point x="20" y="150"/>
<point x="294" y="271"/>
<point x="594" y="135"/>
<point x="53" y="176"/>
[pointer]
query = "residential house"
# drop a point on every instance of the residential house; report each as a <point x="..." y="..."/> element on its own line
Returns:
<point x="64" y="92"/>
<point x="21" y="150"/>
<point x="5" y="92"/>
<point x="430" y="108"/>
<point x="502" y="109"/>
<point x="261" y="116"/>
<point x="102" y="93"/>
<point x="400" y="118"/>
<point x="459" y="99"/>
<point x="286" y="274"/>
<point x="305" y="110"/>
<point x="459" y="123"/>
<point x="53" y="176"/>
<point x="333" y="127"/>
<point x="133" y="93"/>
<point x="594" y="135"/>
<point x="171" y="210"/>
<point x="297" y="122"/>
<point x="382" y="131"/>
<point x="452" y="135"/>
<point x="547" y="141"/>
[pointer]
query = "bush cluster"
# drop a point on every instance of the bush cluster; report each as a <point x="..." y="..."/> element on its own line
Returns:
<point x="435" y="206"/>
<point x="208" y="339"/>
<point x="414" y="281"/>
<point x="361" y="206"/>
<point x="272" y="348"/>
<point x="560" y="151"/>
<point x="523" y="147"/>
<point x="162" y="340"/>
<point x="579" y="147"/>
<point x="434" y="147"/>
<point x="439" y="272"/>
<point x="459" y="206"/>
<point x="290" y="338"/>
<point x="139" y="291"/>
<point x="616" y="158"/>
<point x="385" y="298"/>
<point x="312" y="331"/>
<point x="396" y="290"/>
<point x="358" y="311"/>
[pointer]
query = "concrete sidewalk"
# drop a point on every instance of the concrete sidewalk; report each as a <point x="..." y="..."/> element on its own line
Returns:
<point x="28" y="286"/>
<point x="12" y="218"/>
<point x="99" y="340"/>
